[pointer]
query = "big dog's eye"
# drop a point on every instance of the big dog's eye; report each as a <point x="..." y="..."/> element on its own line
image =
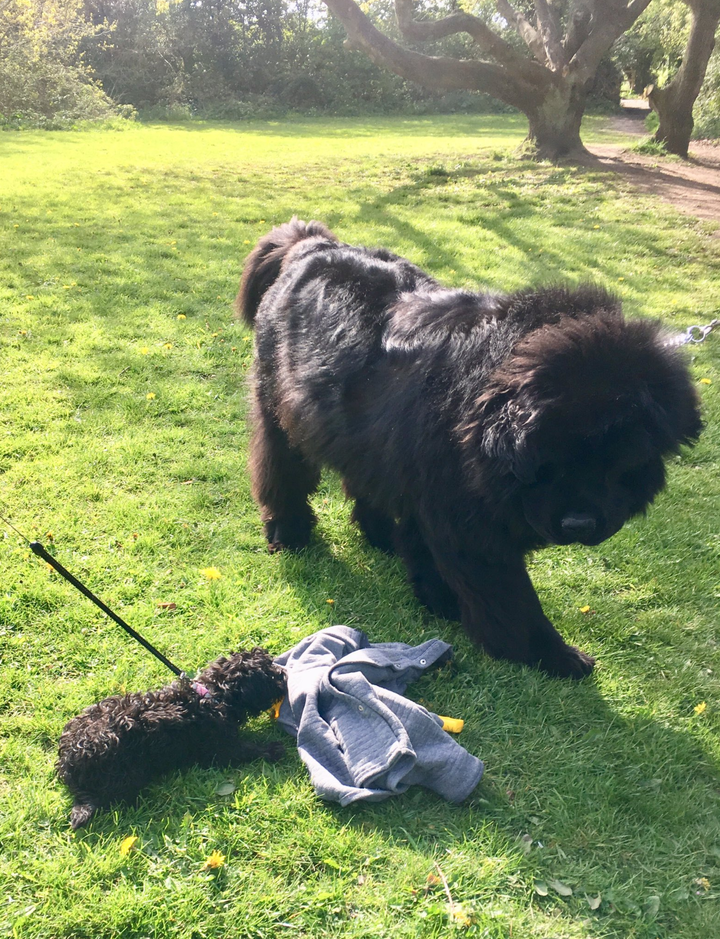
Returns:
<point x="636" y="475"/>
<point x="547" y="473"/>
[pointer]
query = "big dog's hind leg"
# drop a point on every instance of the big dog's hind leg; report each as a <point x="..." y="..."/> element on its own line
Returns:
<point x="429" y="586"/>
<point x="282" y="480"/>
<point x="377" y="527"/>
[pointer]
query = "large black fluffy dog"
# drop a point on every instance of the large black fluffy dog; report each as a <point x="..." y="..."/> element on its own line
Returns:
<point x="110" y="751"/>
<point x="469" y="428"/>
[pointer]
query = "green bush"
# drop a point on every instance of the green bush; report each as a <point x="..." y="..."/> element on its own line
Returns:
<point x="43" y="79"/>
<point x="707" y="106"/>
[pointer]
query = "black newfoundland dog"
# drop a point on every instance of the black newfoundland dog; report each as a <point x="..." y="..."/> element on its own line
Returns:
<point x="469" y="428"/>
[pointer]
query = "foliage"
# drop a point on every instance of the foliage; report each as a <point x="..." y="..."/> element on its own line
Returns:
<point x="652" y="50"/>
<point x="122" y="447"/>
<point x="241" y="58"/>
<point x="43" y="81"/>
<point x="707" y="106"/>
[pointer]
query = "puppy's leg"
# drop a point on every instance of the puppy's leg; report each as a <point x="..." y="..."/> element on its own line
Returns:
<point x="429" y="586"/>
<point x="501" y="611"/>
<point x="377" y="527"/>
<point x="81" y="813"/>
<point x="282" y="480"/>
<point x="224" y="746"/>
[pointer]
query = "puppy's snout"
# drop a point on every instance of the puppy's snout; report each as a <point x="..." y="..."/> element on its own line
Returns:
<point x="578" y="525"/>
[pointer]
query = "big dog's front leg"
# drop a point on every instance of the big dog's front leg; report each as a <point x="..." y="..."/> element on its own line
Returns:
<point x="501" y="612"/>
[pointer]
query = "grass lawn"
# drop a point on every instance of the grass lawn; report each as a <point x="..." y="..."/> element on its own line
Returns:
<point x="122" y="446"/>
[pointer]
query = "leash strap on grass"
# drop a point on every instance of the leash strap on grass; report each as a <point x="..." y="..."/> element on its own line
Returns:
<point x="40" y="551"/>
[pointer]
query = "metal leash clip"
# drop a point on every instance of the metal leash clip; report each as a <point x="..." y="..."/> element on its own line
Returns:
<point x="699" y="333"/>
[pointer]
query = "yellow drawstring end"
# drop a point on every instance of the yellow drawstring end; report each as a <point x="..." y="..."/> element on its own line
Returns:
<point x="453" y="725"/>
<point x="274" y="711"/>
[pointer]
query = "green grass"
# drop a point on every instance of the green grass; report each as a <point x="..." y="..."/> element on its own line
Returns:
<point x="122" y="445"/>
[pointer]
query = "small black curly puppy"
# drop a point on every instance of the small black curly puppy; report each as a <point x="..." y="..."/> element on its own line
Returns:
<point x="110" y="751"/>
<point x="469" y="427"/>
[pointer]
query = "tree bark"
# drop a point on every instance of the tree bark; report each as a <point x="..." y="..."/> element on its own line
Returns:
<point x="674" y="102"/>
<point x="554" y="126"/>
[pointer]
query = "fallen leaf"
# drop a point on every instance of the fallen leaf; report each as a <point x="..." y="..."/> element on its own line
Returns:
<point x="541" y="888"/>
<point x="559" y="887"/>
<point x="526" y="843"/>
<point x="226" y="788"/>
<point x="167" y="606"/>
<point x="593" y="902"/>
<point x="652" y="907"/>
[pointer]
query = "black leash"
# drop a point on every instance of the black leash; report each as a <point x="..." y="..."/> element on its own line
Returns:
<point x="40" y="551"/>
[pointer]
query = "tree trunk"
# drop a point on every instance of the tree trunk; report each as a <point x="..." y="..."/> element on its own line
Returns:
<point x="554" y="131"/>
<point x="674" y="103"/>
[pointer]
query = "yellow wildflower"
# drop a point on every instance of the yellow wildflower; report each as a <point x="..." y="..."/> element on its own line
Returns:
<point x="215" y="861"/>
<point x="127" y="845"/>
<point x="212" y="573"/>
<point x="700" y="708"/>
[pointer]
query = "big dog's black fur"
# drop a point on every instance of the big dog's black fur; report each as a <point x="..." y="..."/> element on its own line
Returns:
<point x="469" y="428"/>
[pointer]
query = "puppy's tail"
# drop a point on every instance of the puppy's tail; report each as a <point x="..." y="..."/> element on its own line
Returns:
<point x="264" y="262"/>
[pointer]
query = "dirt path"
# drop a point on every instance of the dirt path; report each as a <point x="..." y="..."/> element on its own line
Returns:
<point x="692" y="186"/>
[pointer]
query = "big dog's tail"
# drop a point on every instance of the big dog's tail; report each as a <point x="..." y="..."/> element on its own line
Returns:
<point x="263" y="264"/>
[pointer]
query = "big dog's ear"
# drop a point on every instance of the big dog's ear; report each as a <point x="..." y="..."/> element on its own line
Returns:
<point x="499" y="435"/>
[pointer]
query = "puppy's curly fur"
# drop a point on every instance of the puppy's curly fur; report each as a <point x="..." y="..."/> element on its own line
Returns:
<point x="110" y="751"/>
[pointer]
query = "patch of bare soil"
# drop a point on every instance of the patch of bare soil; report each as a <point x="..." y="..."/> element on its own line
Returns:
<point x="692" y="185"/>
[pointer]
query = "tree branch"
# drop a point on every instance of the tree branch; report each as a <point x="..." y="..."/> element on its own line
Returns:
<point x="578" y="29"/>
<point x="610" y="20"/>
<point x="527" y="33"/>
<point x="481" y="34"/>
<point x="550" y="32"/>
<point x="438" y="71"/>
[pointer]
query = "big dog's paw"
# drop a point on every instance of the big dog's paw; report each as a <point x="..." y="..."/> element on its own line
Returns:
<point x="567" y="662"/>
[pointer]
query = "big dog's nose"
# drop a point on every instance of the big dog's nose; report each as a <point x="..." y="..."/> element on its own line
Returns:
<point x="579" y="524"/>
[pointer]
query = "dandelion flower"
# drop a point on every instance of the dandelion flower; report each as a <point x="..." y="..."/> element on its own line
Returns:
<point x="215" y="861"/>
<point x="584" y="609"/>
<point x="700" y="708"/>
<point x="706" y="381"/>
<point x="127" y="845"/>
<point x="212" y="573"/>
